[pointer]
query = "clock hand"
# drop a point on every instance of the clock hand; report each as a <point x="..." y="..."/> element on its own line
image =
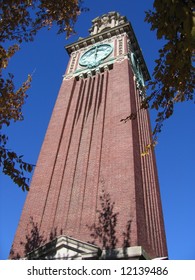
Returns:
<point x="96" y="51"/>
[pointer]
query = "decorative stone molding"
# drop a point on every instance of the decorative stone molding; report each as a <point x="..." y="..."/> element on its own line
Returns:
<point x="72" y="63"/>
<point x="106" y="21"/>
<point x="89" y="73"/>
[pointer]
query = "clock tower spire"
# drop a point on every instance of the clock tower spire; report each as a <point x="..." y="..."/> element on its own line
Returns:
<point x="92" y="195"/>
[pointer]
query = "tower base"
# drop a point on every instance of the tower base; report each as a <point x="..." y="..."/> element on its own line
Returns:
<point x="68" y="248"/>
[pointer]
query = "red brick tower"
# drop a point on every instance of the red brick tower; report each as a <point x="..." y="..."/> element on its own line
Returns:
<point x="92" y="194"/>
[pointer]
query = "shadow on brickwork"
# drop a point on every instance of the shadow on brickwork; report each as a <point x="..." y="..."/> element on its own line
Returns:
<point x="104" y="230"/>
<point x="37" y="247"/>
<point x="33" y="240"/>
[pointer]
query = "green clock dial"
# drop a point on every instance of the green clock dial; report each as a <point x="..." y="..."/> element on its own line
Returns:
<point x="137" y="69"/>
<point x="94" y="56"/>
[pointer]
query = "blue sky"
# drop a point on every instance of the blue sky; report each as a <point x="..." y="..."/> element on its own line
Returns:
<point x="47" y="59"/>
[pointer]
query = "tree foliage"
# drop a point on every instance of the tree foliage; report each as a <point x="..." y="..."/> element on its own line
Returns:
<point x="174" y="74"/>
<point x="20" y="20"/>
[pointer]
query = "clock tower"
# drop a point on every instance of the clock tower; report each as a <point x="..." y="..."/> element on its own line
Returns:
<point x="92" y="194"/>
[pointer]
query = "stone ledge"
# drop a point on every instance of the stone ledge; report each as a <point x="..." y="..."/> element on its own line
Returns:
<point x="68" y="248"/>
<point x="130" y="253"/>
<point x="64" y="247"/>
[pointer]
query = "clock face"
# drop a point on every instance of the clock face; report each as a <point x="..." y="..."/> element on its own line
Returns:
<point x="94" y="56"/>
<point x="137" y="69"/>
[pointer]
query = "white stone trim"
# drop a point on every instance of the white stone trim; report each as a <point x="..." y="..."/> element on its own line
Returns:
<point x="64" y="247"/>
